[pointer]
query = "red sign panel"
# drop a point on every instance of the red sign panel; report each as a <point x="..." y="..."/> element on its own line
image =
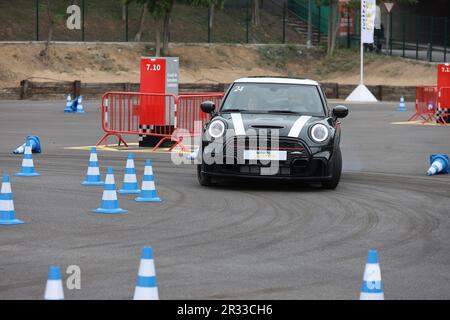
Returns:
<point x="443" y="75"/>
<point x="153" y="80"/>
<point x="443" y="83"/>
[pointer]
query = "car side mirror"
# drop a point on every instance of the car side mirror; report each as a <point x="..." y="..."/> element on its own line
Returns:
<point x="340" y="111"/>
<point x="208" y="107"/>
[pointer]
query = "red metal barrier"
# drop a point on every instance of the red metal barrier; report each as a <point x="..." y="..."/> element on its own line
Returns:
<point x="426" y="103"/>
<point x="126" y="113"/>
<point x="189" y="109"/>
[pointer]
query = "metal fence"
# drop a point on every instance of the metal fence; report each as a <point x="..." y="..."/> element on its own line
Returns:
<point x="411" y="36"/>
<point x="419" y="37"/>
<point x="111" y="20"/>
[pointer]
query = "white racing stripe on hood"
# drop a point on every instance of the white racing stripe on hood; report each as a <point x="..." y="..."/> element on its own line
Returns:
<point x="238" y="124"/>
<point x="298" y="126"/>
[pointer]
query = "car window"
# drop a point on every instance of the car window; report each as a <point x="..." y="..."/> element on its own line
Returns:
<point x="274" y="97"/>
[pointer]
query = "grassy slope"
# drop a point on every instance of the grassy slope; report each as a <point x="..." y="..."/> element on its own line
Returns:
<point x="217" y="63"/>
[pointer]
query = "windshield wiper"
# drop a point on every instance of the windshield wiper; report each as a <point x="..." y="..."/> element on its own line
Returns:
<point x="282" y="111"/>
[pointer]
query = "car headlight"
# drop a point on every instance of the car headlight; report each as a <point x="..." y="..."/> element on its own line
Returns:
<point x="216" y="129"/>
<point x="319" y="132"/>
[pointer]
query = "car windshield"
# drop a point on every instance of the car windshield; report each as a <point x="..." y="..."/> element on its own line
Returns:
<point x="274" y="98"/>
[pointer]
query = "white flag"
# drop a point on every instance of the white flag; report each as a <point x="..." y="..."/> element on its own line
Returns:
<point x="368" y="12"/>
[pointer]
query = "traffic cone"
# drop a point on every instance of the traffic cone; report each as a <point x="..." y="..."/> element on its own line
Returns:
<point x="54" y="288"/>
<point x="439" y="163"/>
<point x="68" y="105"/>
<point x="130" y="184"/>
<point x="110" y="204"/>
<point x="148" y="190"/>
<point x="402" y="106"/>
<point x="372" y="286"/>
<point x="93" y="177"/>
<point x="7" y="213"/>
<point x="80" y="105"/>
<point x="194" y="154"/>
<point x="146" y="287"/>
<point x="27" y="163"/>
<point x="35" y="144"/>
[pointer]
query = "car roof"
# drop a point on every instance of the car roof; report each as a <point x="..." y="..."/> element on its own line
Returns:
<point x="280" y="80"/>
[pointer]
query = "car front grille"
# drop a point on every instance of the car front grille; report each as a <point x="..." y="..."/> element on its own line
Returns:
<point x="295" y="148"/>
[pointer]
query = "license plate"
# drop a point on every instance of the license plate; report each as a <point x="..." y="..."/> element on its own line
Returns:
<point x="265" y="155"/>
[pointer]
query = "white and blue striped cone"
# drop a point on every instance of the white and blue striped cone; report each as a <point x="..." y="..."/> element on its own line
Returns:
<point x="7" y="213"/>
<point x="54" y="288"/>
<point x="80" y="108"/>
<point x="372" y="286"/>
<point x="146" y="286"/>
<point x="402" y="106"/>
<point x="130" y="184"/>
<point x="194" y="154"/>
<point x="68" y="105"/>
<point x="93" y="177"/>
<point x="148" y="190"/>
<point x="35" y="143"/>
<point x="27" y="163"/>
<point x="439" y="164"/>
<point x="110" y="204"/>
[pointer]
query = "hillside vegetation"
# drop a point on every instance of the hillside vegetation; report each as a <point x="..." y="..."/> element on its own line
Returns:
<point x="204" y="64"/>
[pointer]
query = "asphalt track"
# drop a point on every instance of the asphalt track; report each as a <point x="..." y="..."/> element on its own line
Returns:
<point x="235" y="241"/>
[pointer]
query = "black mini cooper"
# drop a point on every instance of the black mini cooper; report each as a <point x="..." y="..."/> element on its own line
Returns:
<point x="272" y="128"/>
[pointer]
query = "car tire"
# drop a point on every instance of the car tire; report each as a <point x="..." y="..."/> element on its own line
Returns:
<point x="336" y="174"/>
<point x="203" y="179"/>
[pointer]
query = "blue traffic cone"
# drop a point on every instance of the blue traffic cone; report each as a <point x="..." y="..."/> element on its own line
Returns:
<point x="148" y="190"/>
<point x="68" y="105"/>
<point x="402" y="106"/>
<point x="194" y="154"/>
<point x="93" y="177"/>
<point x="130" y="184"/>
<point x="439" y="163"/>
<point x="54" y="287"/>
<point x="80" y="105"/>
<point x="27" y="163"/>
<point x="146" y="286"/>
<point x="372" y="286"/>
<point x="110" y="204"/>
<point x="7" y="213"/>
<point x="35" y="144"/>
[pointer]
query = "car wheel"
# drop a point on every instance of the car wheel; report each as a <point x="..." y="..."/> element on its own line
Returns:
<point x="203" y="179"/>
<point x="337" y="169"/>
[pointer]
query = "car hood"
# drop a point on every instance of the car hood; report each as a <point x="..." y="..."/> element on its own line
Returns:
<point x="289" y="125"/>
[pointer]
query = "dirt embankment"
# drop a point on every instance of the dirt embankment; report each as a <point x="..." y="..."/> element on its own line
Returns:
<point x="203" y="64"/>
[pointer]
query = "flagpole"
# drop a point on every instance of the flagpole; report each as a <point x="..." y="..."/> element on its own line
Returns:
<point x="361" y="93"/>
<point x="361" y="47"/>
<point x="362" y="61"/>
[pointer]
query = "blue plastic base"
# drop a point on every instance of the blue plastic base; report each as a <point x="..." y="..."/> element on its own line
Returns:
<point x="110" y="211"/>
<point x="125" y="191"/>
<point x="80" y="112"/>
<point x="68" y="111"/>
<point x="141" y="199"/>
<point x="92" y="183"/>
<point x="402" y="109"/>
<point x="21" y="174"/>
<point x="11" y="222"/>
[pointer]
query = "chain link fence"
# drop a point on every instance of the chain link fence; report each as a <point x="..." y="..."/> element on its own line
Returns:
<point x="112" y="20"/>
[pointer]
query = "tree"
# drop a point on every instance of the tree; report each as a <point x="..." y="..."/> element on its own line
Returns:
<point x="160" y="10"/>
<point x="144" y="10"/>
<point x="44" y="53"/>
<point x="255" y="12"/>
<point x="211" y="5"/>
